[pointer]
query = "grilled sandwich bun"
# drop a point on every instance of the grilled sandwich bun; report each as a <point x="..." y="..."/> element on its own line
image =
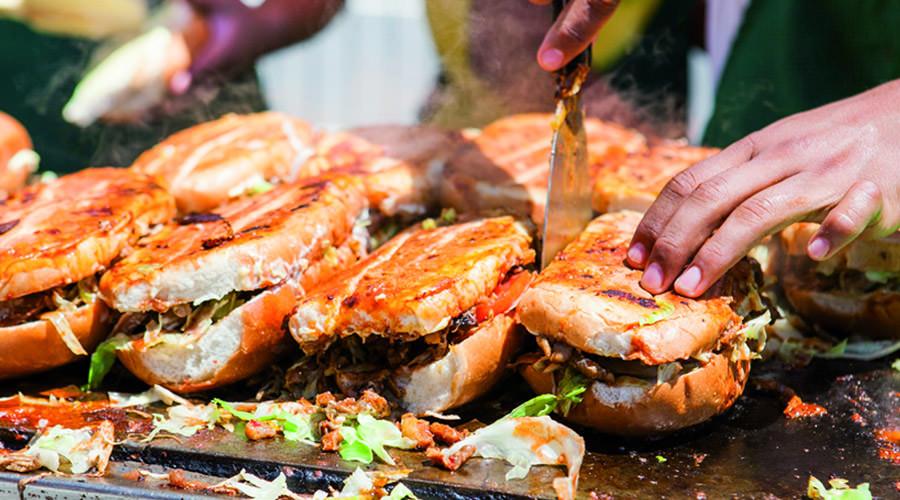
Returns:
<point x="17" y="160"/>
<point x="856" y="292"/>
<point x="220" y="284"/>
<point x="430" y="309"/>
<point x="208" y="164"/>
<point x="506" y="167"/>
<point x="55" y="238"/>
<point x="634" y="182"/>
<point x="401" y="167"/>
<point x="651" y="364"/>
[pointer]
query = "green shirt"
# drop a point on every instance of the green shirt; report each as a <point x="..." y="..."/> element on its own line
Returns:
<point x="794" y="55"/>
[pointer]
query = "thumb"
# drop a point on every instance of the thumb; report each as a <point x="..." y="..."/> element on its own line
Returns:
<point x="573" y="31"/>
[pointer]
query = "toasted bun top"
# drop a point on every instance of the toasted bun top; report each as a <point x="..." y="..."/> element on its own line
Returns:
<point x="13" y="139"/>
<point x="400" y="166"/>
<point x="56" y="233"/>
<point x="636" y="180"/>
<point x="506" y="166"/>
<point x="861" y="255"/>
<point x="589" y="298"/>
<point x="248" y="244"/>
<point x="414" y="284"/>
<point x="207" y="164"/>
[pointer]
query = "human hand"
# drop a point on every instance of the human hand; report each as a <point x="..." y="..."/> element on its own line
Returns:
<point x="573" y="31"/>
<point x="239" y="33"/>
<point x="839" y="164"/>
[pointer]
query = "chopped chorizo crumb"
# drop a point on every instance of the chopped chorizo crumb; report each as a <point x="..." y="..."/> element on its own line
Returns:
<point x="324" y="399"/>
<point x="446" y="434"/>
<point x="452" y="461"/>
<point x="256" y="430"/>
<point x="379" y="405"/>
<point x="331" y="441"/>
<point x="416" y="430"/>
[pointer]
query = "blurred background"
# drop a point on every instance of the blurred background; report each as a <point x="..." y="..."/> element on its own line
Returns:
<point x="374" y="63"/>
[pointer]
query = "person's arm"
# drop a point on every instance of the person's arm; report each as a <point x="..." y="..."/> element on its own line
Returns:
<point x="839" y="164"/>
<point x="239" y="34"/>
<point x="573" y="31"/>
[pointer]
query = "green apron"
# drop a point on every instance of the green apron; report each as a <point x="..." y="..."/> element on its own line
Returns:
<point x="37" y="75"/>
<point x="794" y="55"/>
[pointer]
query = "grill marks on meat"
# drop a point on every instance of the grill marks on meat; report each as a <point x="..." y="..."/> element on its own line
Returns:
<point x="198" y="218"/>
<point x="634" y="299"/>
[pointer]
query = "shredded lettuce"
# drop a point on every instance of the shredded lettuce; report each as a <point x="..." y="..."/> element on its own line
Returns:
<point x="360" y="485"/>
<point x="448" y="216"/>
<point x="664" y="310"/>
<point x="258" y="488"/>
<point x="667" y="372"/>
<point x="882" y="277"/>
<point x="102" y="360"/>
<point x="64" y="330"/>
<point x="840" y="490"/>
<point x="73" y="451"/>
<point x="429" y="224"/>
<point x="896" y="365"/>
<point x="154" y="394"/>
<point x="866" y="350"/>
<point x="528" y="441"/>
<point x="184" y="420"/>
<point x="48" y="176"/>
<point x="259" y="187"/>
<point x="369" y="437"/>
<point x="401" y="492"/>
<point x="569" y="393"/>
<point x="291" y="420"/>
<point x="661" y="459"/>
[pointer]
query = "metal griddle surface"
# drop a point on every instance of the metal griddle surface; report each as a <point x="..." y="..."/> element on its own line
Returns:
<point x="750" y="452"/>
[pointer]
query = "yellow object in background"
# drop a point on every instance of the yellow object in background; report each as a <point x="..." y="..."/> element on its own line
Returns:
<point x="623" y="30"/>
<point x="79" y="18"/>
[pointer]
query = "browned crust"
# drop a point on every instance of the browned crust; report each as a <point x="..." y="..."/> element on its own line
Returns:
<point x="634" y="182"/>
<point x="589" y="298"/>
<point x="401" y="167"/>
<point x="689" y="400"/>
<point x="468" y="371"/>
<point x="74" y="227"/>
<point x="202" y="165"/>
<point x="505" y="168"/>
<point x="36" y="346"/>
<point x="257" y="242"/>
<point x="413" y="285"/>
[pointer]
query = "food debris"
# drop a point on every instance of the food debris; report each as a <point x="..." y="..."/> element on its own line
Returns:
<point x="796" y="408"/>
<point x="889" y="441"/>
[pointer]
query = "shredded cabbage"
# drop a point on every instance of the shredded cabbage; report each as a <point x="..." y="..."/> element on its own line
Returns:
<point x="359" y="484"/>
<point x="881" y="276"/>
<point x="185" y="420"/>
<point x="73" y="451"/>
<point x="152" y="395"/>
<point x="840" y="490"/>
<point x="528" y="441"/>
<point x="292" y="419"/>
<point x="64" y="330"/>
<point x="369" y="437"/>
<point x="258" y="488"/>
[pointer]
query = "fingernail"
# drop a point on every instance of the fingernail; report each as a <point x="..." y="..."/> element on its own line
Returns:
<point x="818" y="248"/>
<point x="689" y="280"/>
<point x="551" y="59"/>
<point x="180" y="82"/>
<point x="637" y="254"/>
<point x="653" y="277"/>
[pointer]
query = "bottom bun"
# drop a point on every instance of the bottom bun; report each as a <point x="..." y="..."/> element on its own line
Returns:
<point x="645" y="409"/>
<point x="874" y="314"/>
<point x="36" y="346"/>
<point x="236" y="347"/>
<point x="469" y="370"/>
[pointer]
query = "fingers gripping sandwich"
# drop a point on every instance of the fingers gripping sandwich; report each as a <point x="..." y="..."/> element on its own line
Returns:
<point x="208" y="164"/>
<point x="55" y="238"/>
<point x="426" y="317"/>
<point x="857" y="291"/>
<point x="205" y="298"/>
<point x="649" y="364"/>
